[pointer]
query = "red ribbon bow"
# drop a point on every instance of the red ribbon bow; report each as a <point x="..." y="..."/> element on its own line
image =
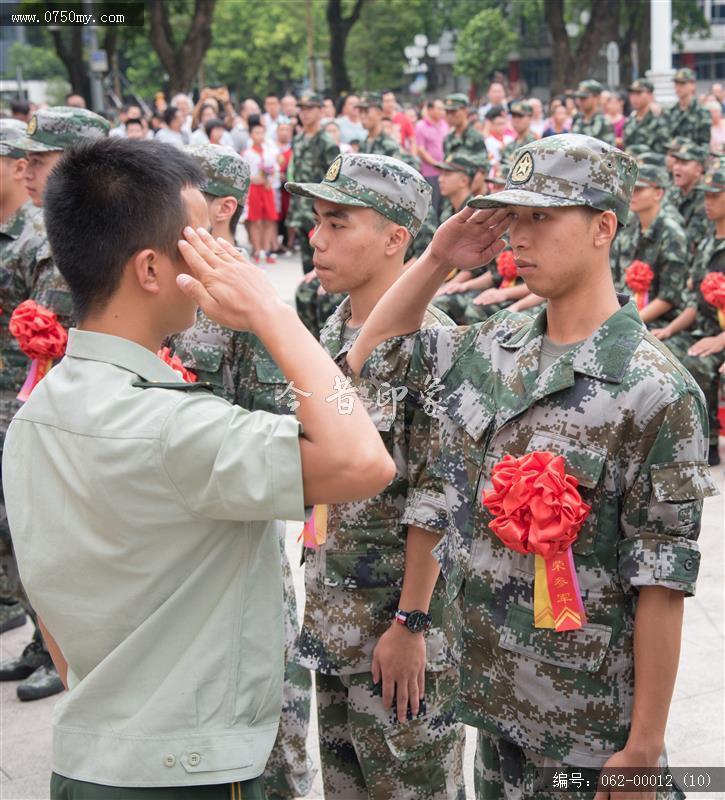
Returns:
<point x="506" y="265"/>
<point x="175" y="363"/>
<point x="639" y="276"/>
<point x="38" y="331"/>
<point x="713" y="289"/>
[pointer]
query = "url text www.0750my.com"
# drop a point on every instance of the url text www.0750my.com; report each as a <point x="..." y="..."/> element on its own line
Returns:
<point x="70" y="14"/>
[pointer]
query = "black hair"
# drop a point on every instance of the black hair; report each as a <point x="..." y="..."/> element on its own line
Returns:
<point x="253" y="120"/>
<point x="170" y="114"/>
<point x="234" y="220"/>
<point x="134" y="121"/>
<point x="495" y="111"/>
<point x="213" y="123"/>
<point x="106" y="201"/>
<point x="20" y="107"/>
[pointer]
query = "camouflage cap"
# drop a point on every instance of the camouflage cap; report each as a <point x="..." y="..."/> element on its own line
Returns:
<point x="714" y="181"/>
<point x="455" y="101"/>
<point x="60" y="127"/>
<point x="369" y="99"/>
<point x="641" y="85"/>
<point x="520" y="108"/>
<point x="676" y="143"/>
<point x="499" y="179"/>
<point x="648" y="157"/>
<point x="382" y="183"/>
<point x="569" y="169"/>
<point x="463" y="161"/>
<point x="684" y="75"/>
<point x="587" y="88"/>
<point x="690" y="151"/>
<point x="310" y="100"/>
<point x="12" y="131"/>
<point x="652" y="175"/>
<point x="225" y="171"/>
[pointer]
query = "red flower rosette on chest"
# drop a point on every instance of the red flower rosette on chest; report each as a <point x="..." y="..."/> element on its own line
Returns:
<point x="537" y="508"/>
<point x="41" y="337"/>
<point x="713" y="290"/>
<point x="639" y="277"/>
<point x="175" y="363"/>
<point x="507" y="268"/>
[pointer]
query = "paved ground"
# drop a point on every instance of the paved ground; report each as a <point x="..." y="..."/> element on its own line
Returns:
<point x="695" y="734"/>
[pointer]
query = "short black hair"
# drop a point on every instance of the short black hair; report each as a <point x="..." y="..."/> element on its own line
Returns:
<point x="20" y="107"/>
<point x="495" y="111"/>
<point x="134" y="121"/>
<point x="213" y="123"/>
<point x="106" y="201"/>
<point x="234" y="220"/>
<point x="169" y="114"/>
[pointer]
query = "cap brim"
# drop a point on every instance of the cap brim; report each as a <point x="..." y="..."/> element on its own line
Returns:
<point x="447" y="167"/>
<point x="647" y="185"/>
<point x="520" y="197"/>
<point x="708" y="187"/>
<point x="33" y="146"/>
<point x="323" y="191"/>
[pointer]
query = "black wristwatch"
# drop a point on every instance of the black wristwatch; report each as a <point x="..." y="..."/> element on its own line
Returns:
<point x="415" y="621"/>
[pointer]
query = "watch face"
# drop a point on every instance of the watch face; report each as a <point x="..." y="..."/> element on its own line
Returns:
<point x="417" y="622"/>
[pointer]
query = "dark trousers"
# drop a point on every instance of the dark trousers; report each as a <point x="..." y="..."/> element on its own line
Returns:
<point x="68" y="789"/>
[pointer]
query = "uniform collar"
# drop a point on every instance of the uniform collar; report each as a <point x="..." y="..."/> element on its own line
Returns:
<point x="604" y="355"/>
<point x="121" y="353"/>
<point x="331" y="336"/>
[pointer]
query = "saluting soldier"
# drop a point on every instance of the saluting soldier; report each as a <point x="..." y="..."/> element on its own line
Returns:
<point x="582" y="391"/>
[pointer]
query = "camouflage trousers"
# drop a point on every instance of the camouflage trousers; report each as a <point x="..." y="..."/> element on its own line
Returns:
<point x="505" y="771"/>
<point x="704" y="369"/>
<point x="366" y="755"/>
<point x="9" y="578"/>
<point x="315" y="309"/>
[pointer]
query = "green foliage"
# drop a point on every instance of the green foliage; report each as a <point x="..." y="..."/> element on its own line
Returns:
<point x="688" y="20"/>
<point x="484" y="44"/>
<point x="38" y="63"/>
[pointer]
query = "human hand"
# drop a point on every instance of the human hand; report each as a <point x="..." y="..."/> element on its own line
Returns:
<point x="310" y="276"/>
<point x="708" y="346"/>
<point x="399" y="661"/>
<point x="470" y="238"/>
<point x="490" y="297"/>
<point x="627" y="759"/>
<point x="662" y="333"/>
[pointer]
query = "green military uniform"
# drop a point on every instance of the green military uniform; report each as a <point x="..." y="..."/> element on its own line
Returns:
<point x="663" y="246"/>
<point x="647" y="131"/>
<point x="692" y="122"/>
<point x="380" y="145"/>
<point x="353" y="580"/>
<point x="517" y="108"/>
<point x="597" y="125"/>
<point x="241" y="370"/>
<point x="630" y="424"/>
<point x="691" y="206"/>
<point x="311" y="155"/>
<point x="470" y="139"/>
<point x="28" y="272"/>
<point x="710" y="257"/>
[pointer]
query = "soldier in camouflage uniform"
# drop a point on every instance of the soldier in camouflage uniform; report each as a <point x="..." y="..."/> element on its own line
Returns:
<point x="687" y="118"/>
<point x="690" y="161"/>
<point x="462" y="136"/>
<point x="590" y="121"/>
<point x="520" y="112"/>
<point x="630" y="425"/>
<point x="644" y="127"/>
<point x="371" y="116"/>
<point x="373" y="557"/>
<point x="697" y="336"/>
<point x="33" y="275"/>
<point x="656" y="237"/>
<point x="243" y="372"/>
<point x="312" y="152"/>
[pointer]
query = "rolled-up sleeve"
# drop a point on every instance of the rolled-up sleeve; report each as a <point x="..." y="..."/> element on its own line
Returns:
<point x="425" y="501"/>
<point x="662" y="511"/>
<point x="227" y="463"/>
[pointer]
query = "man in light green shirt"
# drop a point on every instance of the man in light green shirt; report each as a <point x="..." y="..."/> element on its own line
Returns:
<point x="143" y="508"/>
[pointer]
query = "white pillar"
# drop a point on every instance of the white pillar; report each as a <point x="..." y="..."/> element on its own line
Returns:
<point x="661" y="72"/>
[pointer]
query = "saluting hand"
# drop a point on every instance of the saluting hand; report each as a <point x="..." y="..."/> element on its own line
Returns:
<point x="470" y="238"/>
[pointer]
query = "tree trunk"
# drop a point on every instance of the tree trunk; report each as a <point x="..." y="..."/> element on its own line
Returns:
<point x="560" y="49"/>
<point x="73" y="61"/>
<point x="181" y="62"/>
<point x="339" y="29"/>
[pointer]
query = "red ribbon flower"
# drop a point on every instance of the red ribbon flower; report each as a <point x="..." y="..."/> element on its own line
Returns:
<point x="536" y="505"/>
<point x="38" y="331"/>
<point x="713" y="289"/>
<point x="175" y="363"/>
<point x="506" y="265"/>
<point x="639" y="276"/>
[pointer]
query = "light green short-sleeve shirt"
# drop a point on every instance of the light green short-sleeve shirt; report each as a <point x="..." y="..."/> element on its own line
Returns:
<point x="144" y="522"/>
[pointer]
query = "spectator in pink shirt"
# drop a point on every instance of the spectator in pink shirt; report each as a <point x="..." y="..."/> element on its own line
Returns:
<point x="430" y="131"/>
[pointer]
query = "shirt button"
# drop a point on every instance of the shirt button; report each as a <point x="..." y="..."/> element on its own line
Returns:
<point x="194" y="759"/>
<point x="169" y="760"/>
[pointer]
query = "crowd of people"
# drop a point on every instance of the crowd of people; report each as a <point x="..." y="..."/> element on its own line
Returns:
<point x="404" y="651"/>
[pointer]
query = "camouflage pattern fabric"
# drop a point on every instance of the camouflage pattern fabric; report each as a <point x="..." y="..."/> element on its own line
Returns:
<point x="598" y="126"/>
<point x="243" y="372"/>
<point x="424" y="236"/>
<point x="380" y="146"/>
<point x="504" y="770"/>
<point x="387" y="185"/>
<point x="315" y="309"/>
<point x="648" y="131"/>
<point x="568" y="170"/>
<point x="12" y="132"/>
<point x="507" y="154"/>
<point x="664" y="247"/>
<point x="691" y="207"/>
<point x="365" y="753"/>
<point x="630" y="423"/>
<point x="60" y="127"/>
<point x="691" y="123"/>
<point x="470" y="140"/>
<point x="226" y="173"/>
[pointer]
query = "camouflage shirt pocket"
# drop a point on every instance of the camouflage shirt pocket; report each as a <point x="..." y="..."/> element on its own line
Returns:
<point x="271" y="384"/>
<point x="678" y="489"/>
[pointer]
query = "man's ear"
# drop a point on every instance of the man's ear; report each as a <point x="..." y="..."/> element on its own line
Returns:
<point x="225" y="208"/>
<point x="606" y="228"/>
<point x="398" y="237"/>
<point x="18" y="171"/>
<point x="144" y="266"/>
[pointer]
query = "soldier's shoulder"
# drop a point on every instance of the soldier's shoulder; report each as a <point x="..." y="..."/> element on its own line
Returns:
<point x="658" y="375"/>
<point x="435" y="318"/>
